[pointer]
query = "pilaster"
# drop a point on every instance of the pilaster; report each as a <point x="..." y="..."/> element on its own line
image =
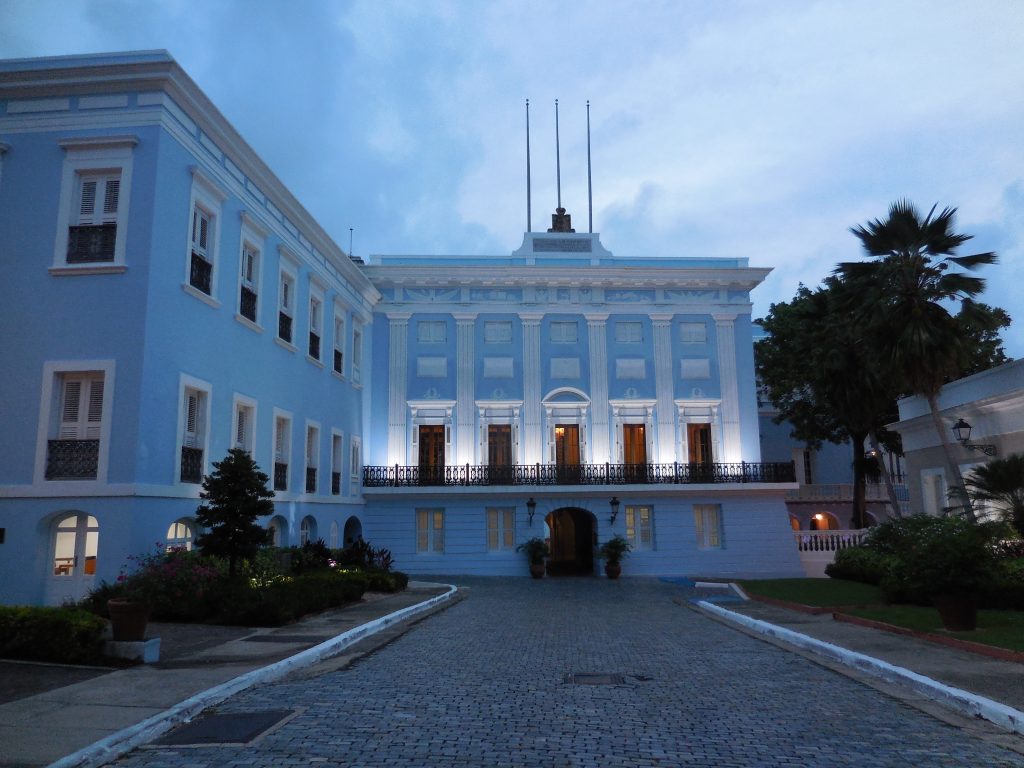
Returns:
<point x="465" y="399"/>
<point x="597" y="328"/>
<point x="725" y="326"/>
<point x="398" y="374"/>
<point x="532" y="430"/>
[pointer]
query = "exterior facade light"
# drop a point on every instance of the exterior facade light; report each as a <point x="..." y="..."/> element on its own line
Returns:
<point x="962" y="433"/>
<point x="614" y="504"/>
<point x="531" y="507"/>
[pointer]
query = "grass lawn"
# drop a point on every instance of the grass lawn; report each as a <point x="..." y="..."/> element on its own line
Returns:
<point x="819" y="592"/>
<point x="1003" y="629"/>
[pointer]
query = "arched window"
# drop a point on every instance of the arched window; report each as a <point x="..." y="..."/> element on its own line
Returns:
<point x="353" y="531"/>
<point x="307" y="530"/>
<point x="334" y="535"/>
<point x="279" y="528"/>
<point x="180" y="535"/>
<point x="75" y="550"/>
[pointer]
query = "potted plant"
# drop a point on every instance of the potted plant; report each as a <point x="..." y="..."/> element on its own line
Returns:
<point x="950" y="562"/>
<point x="613" y="551"/>
<point x="536" y="550"/>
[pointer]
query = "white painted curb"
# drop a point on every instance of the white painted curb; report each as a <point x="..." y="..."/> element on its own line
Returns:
<point x="116" y="744"/>
<point x="962" y="701"/>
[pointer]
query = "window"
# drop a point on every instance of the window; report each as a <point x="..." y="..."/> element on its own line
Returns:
<point x="312" y="456"/>
<point x="93" y="210"/>
<point x="431" y="331"/>
<point x="639" y="527"/>
<point x="497" y="331"/>
<point x="357" y="355"/>
<point x="285" y="306"/>
<point x="693" y="333"/>
<point x="430" y="530"/>
<point x="180" y="535"/>
<point x="307" y="530"/>
<point x="708" y="521"/>
<point x="933" y="491"/>
<point x="337" y="440"/>
<point x="203" y="237"/>
<point x="93" y="232"/>
<point x="243" y="425"/>
<point x="695" y="368"/>
<point x="282" y="449"/>
<point x="248" y="297"/>
<point x="339" y="341"/>
<point x="629" y="332"/>
<point x="75" y="547"/>
<point x="200" y="274"/>
<point x="316" y="321"/>
<point x="355" y="468"/>
<point x="75" y="452"/>
<point x="564" y="332"/>
<point x="193" y="437"/>
<point x="501" y="529"/>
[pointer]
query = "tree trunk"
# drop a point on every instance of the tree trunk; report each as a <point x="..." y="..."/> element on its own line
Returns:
<point x="951" y="464"/>
<point x="886" y="477"/>
<point x="859" y="520"/>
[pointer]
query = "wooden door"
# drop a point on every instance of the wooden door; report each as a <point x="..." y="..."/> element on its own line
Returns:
<point x="567" y="452"/>
<point x="499" y="453"/>
<point x="634" y="452"/>
<point x="431" y="439"/>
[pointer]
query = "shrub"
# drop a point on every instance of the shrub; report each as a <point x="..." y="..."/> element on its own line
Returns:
<point x="288" y="598"/>
<point x="383" y="581"/>
<point x="64" y="635"/>
<point x="360" y="554"/>
<point x="311" y="556"/>
<point x="868" y="566"/>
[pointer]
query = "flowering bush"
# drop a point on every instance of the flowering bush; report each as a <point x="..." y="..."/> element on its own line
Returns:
<point x="175" y="583"/>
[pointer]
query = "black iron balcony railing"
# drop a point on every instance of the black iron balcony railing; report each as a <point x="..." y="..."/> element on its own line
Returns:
<point x="191" y="465"/>
<point x="284" y="327"/>
<point x="72" y="459"/>
<point x="247" y="304"/>
<point x="280" y="476"/>
<point x="310" y="479"/>
<point x="580" y="474"/>
<point x="200" y="274"/>
<point x="91" y="243"/>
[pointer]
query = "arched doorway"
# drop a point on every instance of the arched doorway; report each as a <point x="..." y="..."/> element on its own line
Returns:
<point x="353" y="531"/>
<point x="74" y="550"/>
<point x="573" y="536"/>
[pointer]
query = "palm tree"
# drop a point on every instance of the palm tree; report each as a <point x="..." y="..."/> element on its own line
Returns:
<point x="1001" y="482"/>
<point x="905" y="290"/>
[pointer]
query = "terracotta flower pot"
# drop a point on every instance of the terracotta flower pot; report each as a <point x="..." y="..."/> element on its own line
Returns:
<point x="537" y="570"/>
<point x="959" y="613"/>
<point x="128" y="619"/>
<point x="612" y="570"/>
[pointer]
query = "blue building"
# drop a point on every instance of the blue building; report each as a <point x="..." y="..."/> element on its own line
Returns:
<point x="168" y="299"/>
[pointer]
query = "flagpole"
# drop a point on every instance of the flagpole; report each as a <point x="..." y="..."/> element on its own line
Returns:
<point x="590" y="185"/>
<point x="529" y="225"/>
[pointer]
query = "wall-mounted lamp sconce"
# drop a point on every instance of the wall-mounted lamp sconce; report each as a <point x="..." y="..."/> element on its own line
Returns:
<point x="962" y="433"/>
<point x="614" y="504"/>
<point x="531" y="507"/>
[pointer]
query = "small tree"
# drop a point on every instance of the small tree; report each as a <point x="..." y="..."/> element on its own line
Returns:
<point x="237" y="495"/>
<point x="1001" y="483"/>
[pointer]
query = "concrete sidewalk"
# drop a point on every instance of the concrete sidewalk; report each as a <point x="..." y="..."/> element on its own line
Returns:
<point x="981" y="677"/>
<point x="52" y="712"/>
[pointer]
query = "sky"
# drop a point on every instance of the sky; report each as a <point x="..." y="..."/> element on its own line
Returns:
<point x="730" y="129"/>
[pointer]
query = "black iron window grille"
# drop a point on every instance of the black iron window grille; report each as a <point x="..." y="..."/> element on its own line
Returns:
<point x="280" y="476"/>
<point x="336" y="483"/>
<point x="314" y="346"/>
<point x="247" y="304"/>
<point x="200" y="274"/>
<point x="72" y="459"/>
<point x="284" y="327"/>
<point x="191" y="465"/>
<point x="92" y="243"/>
<point x="310" y="479"/>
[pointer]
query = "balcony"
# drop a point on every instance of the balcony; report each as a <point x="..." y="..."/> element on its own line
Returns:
<point x="72" y="459"/>
<point x="191" y="465"/>
<point x="398" y="476"/>
<point x="91" y="243"/>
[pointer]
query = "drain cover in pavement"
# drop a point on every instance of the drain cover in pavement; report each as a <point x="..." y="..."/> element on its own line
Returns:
<point x="282" y="639"/>
<point x="233" y="728"/>
<point x="592" y="678"/>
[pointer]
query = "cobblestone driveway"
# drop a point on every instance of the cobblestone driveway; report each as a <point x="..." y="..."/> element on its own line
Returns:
<point x="483" y="684"/>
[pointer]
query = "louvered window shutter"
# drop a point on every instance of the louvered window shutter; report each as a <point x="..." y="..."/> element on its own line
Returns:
<point x="87" y="201"/>
<point x="279" y="440"/>
<point x="94" y="416"/>
<point x="191" y="436"/>
<point x="110" y="200"/>
<point x="240" y="430"/>
<point x="200" y="231"/>
<point x="310" y="447"/>
<point x="70" y="410"/>
<point x="698" y="518"/>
